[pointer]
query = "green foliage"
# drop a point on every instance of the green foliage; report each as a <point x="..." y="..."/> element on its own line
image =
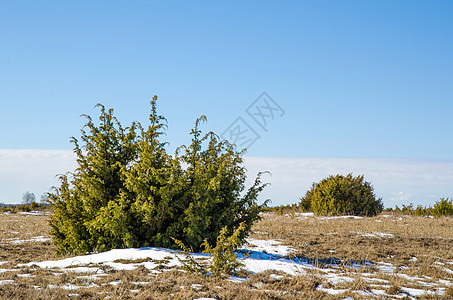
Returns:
<point x="223" y="260"/>
<point x="129" y="192"/>
<point x="422" y="211"/>
<point x="339" y="195"/>
<point x="443" y="207"/>
<point x="14" y="208"/>
<point x="189" y="263"/>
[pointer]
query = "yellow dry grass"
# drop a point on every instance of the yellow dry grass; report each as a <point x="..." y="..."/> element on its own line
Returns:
<point x="419" y="249"/>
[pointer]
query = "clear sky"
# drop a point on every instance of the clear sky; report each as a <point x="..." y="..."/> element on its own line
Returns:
<point x="352" y="79"/>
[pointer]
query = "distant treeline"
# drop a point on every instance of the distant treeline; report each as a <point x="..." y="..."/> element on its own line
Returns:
<point x="443" y="207"/>
<point x="14" y="208"/>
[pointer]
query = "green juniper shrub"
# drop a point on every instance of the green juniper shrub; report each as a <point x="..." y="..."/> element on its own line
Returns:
<point x="127" y="191"/>
<point x="422" y="211"/>
<point x="340" y="195"/>
<point x="223" y="259"/>
<point x="443" y="207"/>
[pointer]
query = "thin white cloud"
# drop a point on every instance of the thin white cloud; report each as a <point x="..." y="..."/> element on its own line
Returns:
<point x="401" y="197"/>
<point x="31" y="170"/>
<point x="423" y="181"/>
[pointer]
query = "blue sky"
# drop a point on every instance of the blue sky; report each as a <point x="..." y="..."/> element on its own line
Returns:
<point x="356" y="79"/>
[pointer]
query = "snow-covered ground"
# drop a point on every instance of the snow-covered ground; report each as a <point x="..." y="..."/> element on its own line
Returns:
<point x="257" y="256"/>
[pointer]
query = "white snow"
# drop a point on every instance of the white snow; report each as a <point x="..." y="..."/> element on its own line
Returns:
<point x="115" y="283"/>
<point x="306" y="214"/>
<point x="375" y="234"/>
<point x="8" y="270"/>
<point x="108" y="258"/>
<point x="267" y="246"/>
<point x="33" y="213"/>
<point x="287" y="266"/>
<point x="40" y="238"/>
<point x="336" y="278"/>
<point x="445" y="282"/>
<point x="66" y="286"/>
<point x="331" y="291"/>
<point x="25" y="275"/>
<point x="385" y="267"/>
<point x="416" y="292"/>
<point x="340" y="217"/>
<point x="275" y="276"/>
<point x="196" y="286"/>
<point x="82" y="270"/>
<point x="265" y="255"/>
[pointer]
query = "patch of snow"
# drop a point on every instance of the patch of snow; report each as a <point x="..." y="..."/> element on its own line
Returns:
<point x="33" y="213"/>
<point x="415" y="292"/>
<point x="413" y="259"/>
<point x="108" y="257"/>
<point x="6" y="281"/>
<point x="236" y="279"/>
<point x="376" y="280"/>
<point x="428" y="284"/>
<point x="82" y="270"/>
<point x="340" y="217"/>
<point x="115" y="283"/>
<point x="283" y="265"/>
<point x="445" y="282"/>
<point x="407" y="277"/>
<point x="267" y="246"/>
<point x="25" y="275"/>
<point x="140" y="282"/>
<point x="380" y="286"/>
<point x="365" y="293"/>
<point x="379" y="292"/>
<point x="40" y="238"/>
<point x="196" y="286"/>
<point x="275" y="276"/>
<point x="375" y="234"/>
<point x="92" y="277"/>
<point x="305" y="214"/>
<point x="66" y="286"/>
<point x="8" y="270"/>
<point x="331" y="291"/>
<point x="385" y="267"/>
<point x="336" y="278"/>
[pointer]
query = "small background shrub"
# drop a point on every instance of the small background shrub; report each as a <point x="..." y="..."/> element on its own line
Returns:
<point x="340" y="195"/>
<point x="443" y="207"/>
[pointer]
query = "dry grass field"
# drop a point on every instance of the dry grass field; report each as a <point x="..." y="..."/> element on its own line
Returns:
<point x="384" y="257"/>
